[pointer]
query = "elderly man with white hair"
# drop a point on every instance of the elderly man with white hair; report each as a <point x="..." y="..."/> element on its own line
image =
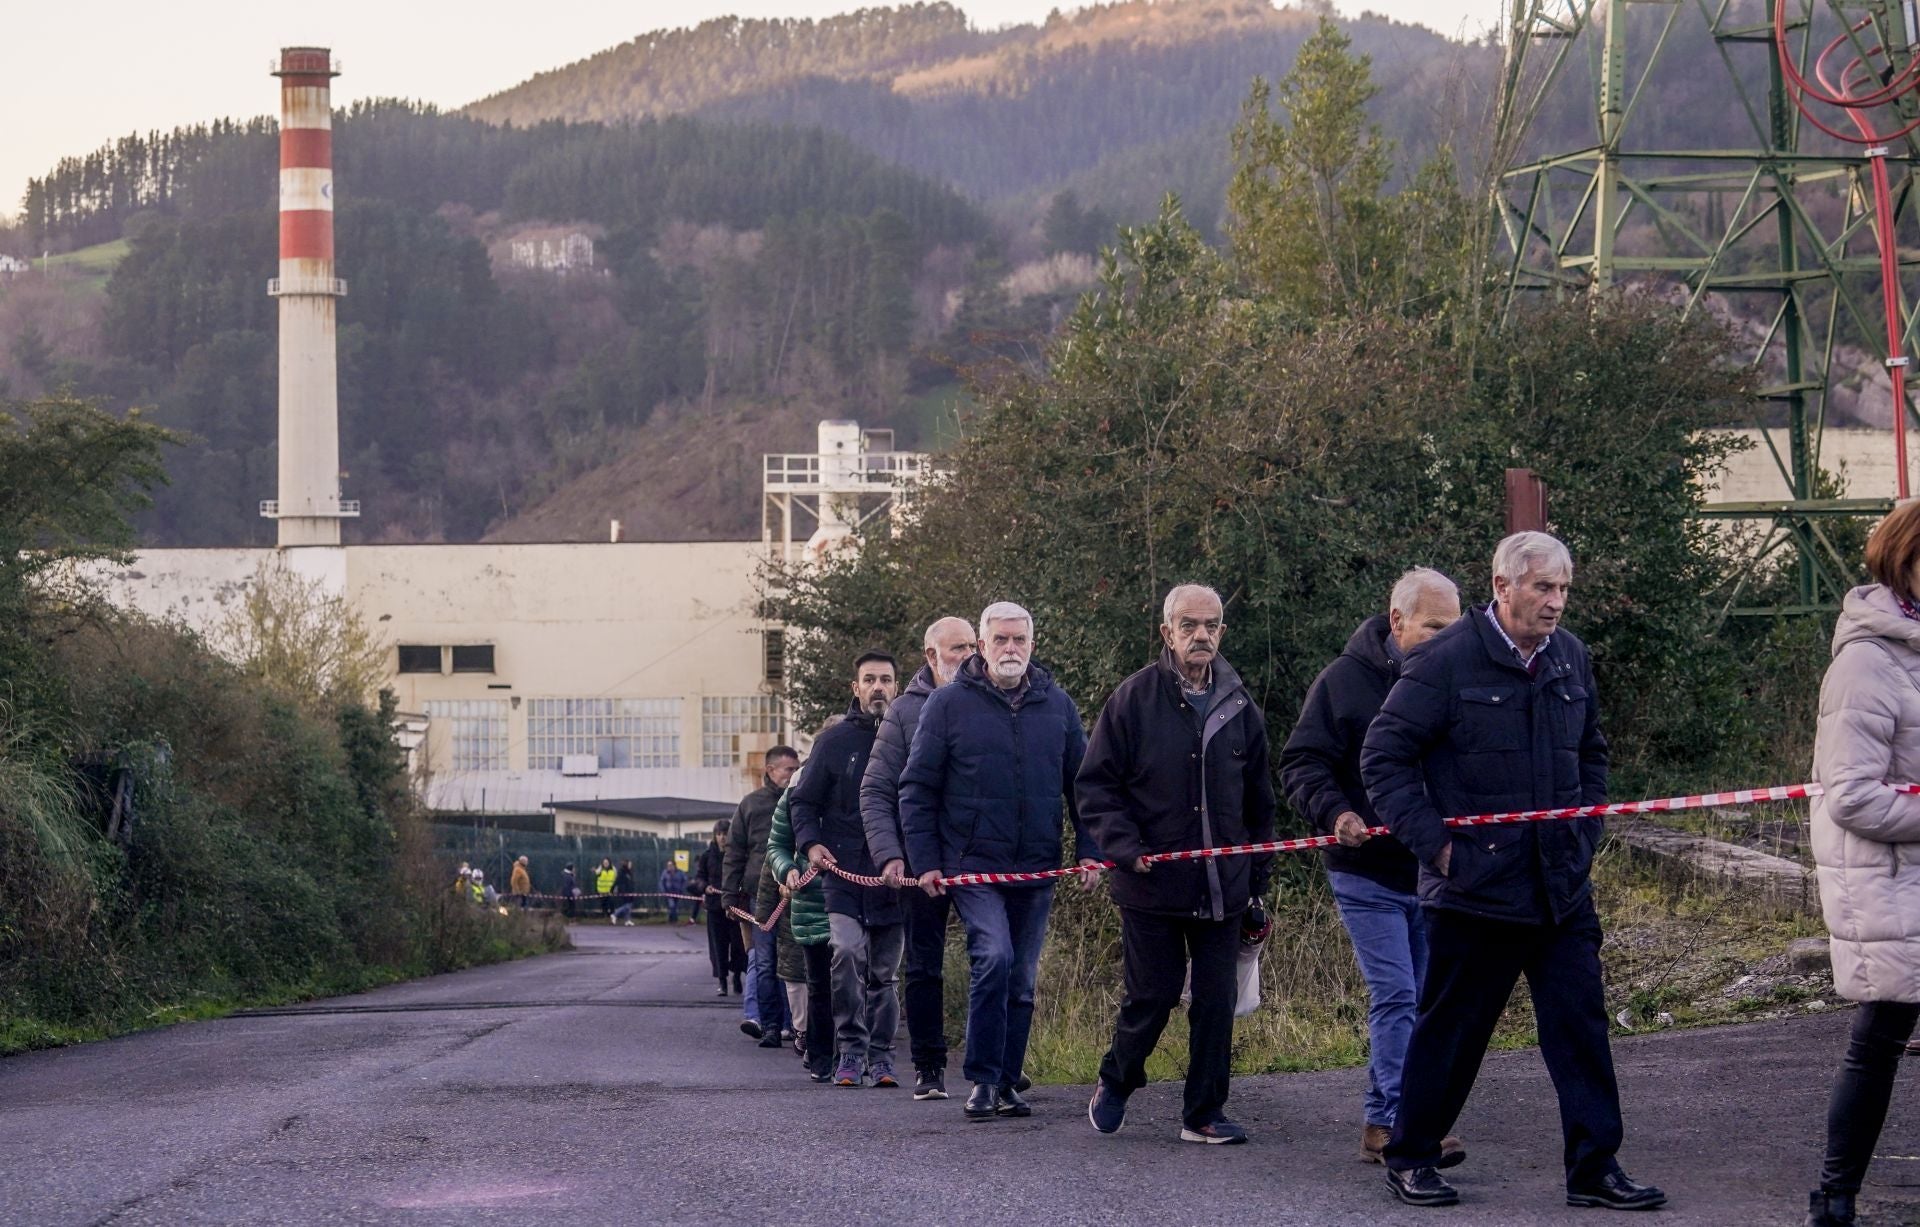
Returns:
<point x="993" y="757"/>
<point x="1497" y="713"/>
<point x="1178" y="761"/>
<point x="1372" y="879"/>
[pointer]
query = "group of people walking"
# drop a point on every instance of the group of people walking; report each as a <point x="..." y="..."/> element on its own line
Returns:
<point x="979" y="765"/>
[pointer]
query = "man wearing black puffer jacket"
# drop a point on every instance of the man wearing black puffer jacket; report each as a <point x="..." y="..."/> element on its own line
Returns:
<point x="1179" y="761"/>
<point x="1499" y="713"/>
<point x="864" y="921"/>
<point x="987" y="786"/>
<point x="1372" y="879"/>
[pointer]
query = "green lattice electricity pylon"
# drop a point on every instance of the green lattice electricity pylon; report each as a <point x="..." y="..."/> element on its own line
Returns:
<point x="1774" y="227"/>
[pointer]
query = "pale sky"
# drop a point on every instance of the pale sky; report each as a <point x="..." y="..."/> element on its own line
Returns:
<point x="77" y="78"/>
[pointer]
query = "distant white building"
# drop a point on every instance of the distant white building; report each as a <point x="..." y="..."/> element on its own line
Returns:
<point x="565" y="253"/>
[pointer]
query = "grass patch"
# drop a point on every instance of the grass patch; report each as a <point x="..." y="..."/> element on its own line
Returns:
<point x="1677" y="945"/>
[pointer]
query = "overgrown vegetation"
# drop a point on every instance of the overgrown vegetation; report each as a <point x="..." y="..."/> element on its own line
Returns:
<point x="179" y="833"/>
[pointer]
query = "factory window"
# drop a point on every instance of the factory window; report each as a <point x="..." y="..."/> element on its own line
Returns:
<point x="419" y="658"/>
<point x="479" y="737"/>
<point x="618" y="732"/>
<point x="727" y="724"/>
<point x="473" y="658"/>
<point x="773" y="655"/>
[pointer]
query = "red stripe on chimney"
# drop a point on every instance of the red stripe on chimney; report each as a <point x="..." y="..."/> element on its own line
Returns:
<point x="306" y="147"/>
<point x="306" y="234"/>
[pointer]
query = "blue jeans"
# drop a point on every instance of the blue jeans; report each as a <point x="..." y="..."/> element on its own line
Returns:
<point x="771" y="998"/>
<point x="750" y="990"/>
<point x="1005" y="926"/>
<point x="1390" y="941"/>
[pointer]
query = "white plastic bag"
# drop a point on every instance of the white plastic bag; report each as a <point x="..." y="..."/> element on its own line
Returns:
<point x="1248" y="999"/>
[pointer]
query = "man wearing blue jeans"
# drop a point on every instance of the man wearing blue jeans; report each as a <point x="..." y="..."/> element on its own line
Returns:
<point x="987" y="785"/>
<point x="1373" y="879"/>
<point x="764" y="1009"/>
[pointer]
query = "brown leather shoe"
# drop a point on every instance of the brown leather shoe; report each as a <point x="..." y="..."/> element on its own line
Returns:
<point x="1373" y="1140"/>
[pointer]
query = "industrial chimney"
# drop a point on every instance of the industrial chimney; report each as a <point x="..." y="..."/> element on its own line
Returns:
<point x="309" y="508"/>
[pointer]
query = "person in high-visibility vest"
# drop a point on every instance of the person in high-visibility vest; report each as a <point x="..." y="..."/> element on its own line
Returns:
<point x="603" y="879"/>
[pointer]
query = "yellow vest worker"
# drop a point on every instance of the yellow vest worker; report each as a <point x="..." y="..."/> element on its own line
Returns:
<point x="603" y="880"/>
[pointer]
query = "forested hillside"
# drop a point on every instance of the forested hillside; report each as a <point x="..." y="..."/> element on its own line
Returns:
<point x="745" y="264"/>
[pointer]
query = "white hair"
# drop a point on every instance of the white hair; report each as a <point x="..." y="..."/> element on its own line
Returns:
<point x="1003" y="611"/>
<point x="1409" y="588"/>
<point x="1531" y="551"/>
<point x="1180" y="590"/>
<point x="927" y="640"/>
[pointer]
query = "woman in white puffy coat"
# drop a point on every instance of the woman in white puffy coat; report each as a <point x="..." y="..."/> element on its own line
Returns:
<point x="1866" y="846"/>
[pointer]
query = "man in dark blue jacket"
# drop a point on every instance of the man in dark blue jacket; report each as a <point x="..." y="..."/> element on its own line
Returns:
<point x="1499" y="713"/>
<point x="946" y="646"/>
<point x="1178" y="761"/>
<point x="993" y="757"/>
<point x="864" y="922"/>
<point x="1372" y="879"/>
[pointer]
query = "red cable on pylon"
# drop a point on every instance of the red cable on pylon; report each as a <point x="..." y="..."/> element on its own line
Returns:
<point x="1857" y="105"/>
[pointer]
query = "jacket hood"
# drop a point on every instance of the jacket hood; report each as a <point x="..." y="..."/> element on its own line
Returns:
<point x="922" y="682"/>
<point x="974" y="673"/>
<point x="1369" y="646"/>
<point x="1226" y="679"/>
<point x="1871" y="612"/>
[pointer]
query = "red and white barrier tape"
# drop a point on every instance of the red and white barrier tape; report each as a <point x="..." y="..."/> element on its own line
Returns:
<point x="1659" y="805"/>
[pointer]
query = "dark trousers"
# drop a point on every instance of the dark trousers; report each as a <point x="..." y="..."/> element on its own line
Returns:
<point x="1472" y="967"/>
<point x="923" y="977"/>
<point x="723" y="945"/>
<point x="1863" y="1090"/>
<point x="1154" y="950"/>
<point x="819" y="1007"/>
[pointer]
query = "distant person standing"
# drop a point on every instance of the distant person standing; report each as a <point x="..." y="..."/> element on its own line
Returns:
<point x="673" y="881"/>
<point x="1866" y="847"/>
<point x="623" y="893"/>
<point x="569" y="891"/>
<point x="723" y="935"/>
<point x="520" y="884"/>
<point x="603" y="879"/>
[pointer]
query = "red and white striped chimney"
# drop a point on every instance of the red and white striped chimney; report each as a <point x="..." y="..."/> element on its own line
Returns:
<point x="309" y="508"/>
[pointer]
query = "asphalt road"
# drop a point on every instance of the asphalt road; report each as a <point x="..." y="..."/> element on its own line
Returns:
<point x="607" y="1085"/>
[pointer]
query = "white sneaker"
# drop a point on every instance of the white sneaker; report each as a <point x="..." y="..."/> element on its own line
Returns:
<point x="629" y="924"/>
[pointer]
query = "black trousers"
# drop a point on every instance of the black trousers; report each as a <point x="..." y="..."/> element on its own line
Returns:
<point x="923" y="977"/>
<point x="724" y="951"/>
<point x="1472" y="967"/>
<point x="1155" y="951"/>
<point x="819" y="1006"/>
<point x="1862" y="1091"/>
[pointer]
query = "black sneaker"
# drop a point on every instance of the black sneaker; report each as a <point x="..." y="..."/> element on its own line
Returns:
<point x="1216" y="1133"/>
<point x="930" y="1084"/>
<point x="1107" y="1110"/>
<point x="1007" y="1102"/>
<point x="979" y="1105"/>
<point x="1422" y="1186"/>
<point x="1023" y="1084"/>
<point x="1617" y="1191"/>
<point x="770" y="1041"/>
<point x="750" y="1028"/>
